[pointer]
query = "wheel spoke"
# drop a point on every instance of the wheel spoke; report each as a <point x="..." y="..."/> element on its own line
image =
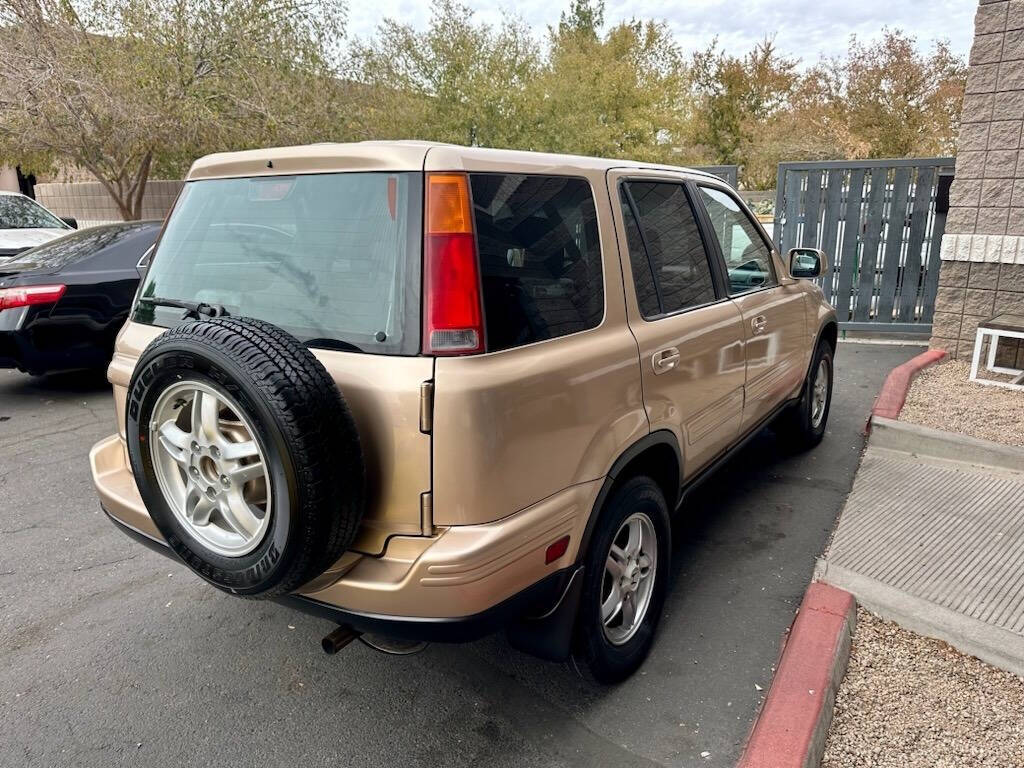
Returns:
<point x="635" y="540"/>
<point x="198" y="506"/>
<point x="209" y="415"/>
<point x="236" y="451"/>
<point x="613" y="566"/>
<point x="612" y="605"/>
<point x="175" y="441"/>
<point x="644" y="562"/>
<point x="239" y="515"/>
<point x="628" y="610"/>
<point x="246" y="472"/>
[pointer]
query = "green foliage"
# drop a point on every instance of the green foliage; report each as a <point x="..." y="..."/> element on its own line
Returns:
<point x="125" y="88"/>
<point x="130" y="88"/>
<point x="456" y="81"/>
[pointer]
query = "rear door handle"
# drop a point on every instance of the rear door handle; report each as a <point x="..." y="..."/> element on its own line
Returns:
<point x="664" y="360"/>
<point x="758" y="324"/>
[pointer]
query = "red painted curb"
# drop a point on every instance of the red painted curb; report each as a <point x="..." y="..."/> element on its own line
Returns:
<point x="791" y="728"/>
<point x="894" y="391"/>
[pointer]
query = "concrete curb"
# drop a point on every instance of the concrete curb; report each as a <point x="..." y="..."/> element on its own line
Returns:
<point x="791" y="729"/>
<point x="890" y="400"/>
<point x="951" y="446"/>
<point x="994" y="645"/>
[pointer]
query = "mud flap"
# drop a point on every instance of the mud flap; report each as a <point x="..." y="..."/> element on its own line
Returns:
<point x="549" y="636"/>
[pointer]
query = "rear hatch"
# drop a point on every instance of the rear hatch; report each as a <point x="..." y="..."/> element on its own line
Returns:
<point x="335" y="260"/>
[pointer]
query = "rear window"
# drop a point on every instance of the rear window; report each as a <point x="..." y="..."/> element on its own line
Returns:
<point x="540" y="257"/>
<point x="328" y="257"/>
<point x="17" y="212"/>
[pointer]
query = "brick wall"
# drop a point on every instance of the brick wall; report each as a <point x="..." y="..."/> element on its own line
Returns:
<point x="982" y="271"/>
<point x="89" y="202"/>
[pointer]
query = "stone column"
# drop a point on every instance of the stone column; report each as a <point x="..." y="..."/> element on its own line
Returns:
<point x="982" y="272"/>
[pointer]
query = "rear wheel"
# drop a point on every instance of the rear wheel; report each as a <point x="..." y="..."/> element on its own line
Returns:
<point x="625" y="581"/>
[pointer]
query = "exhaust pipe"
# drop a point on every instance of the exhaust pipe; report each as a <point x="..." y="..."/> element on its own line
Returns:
<point x="338" y="639"/>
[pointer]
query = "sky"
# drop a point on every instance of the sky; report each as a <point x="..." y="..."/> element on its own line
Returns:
<point x="807" y="29"/>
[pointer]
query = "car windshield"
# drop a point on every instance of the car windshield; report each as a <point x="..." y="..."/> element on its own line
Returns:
<point x="19" y="212"/>
<point x="328" y="257"/>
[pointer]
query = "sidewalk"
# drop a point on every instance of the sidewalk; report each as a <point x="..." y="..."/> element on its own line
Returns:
<point x="932" y="537"/>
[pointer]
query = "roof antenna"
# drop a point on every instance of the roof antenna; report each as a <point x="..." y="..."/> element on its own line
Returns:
<point x="270" y="163"/>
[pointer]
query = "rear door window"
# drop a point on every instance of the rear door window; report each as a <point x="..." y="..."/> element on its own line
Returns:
<point x="331" y="257"/>
<point x="540" y="257"/>
<point x="670" y="265"/>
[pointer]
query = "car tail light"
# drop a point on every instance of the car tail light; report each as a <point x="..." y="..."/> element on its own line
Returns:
<point x="452" y="314"/>
<point x="29" y="295"/>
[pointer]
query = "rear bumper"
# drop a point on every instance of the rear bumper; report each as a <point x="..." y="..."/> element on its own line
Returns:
<point x="458" y="585"/>
<point x="19" y="350"/>
<point x="537" y="600"/>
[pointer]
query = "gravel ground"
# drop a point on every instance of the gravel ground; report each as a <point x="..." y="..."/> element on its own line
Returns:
<point x="941" y="397"/>
<point x="912" y="701"/>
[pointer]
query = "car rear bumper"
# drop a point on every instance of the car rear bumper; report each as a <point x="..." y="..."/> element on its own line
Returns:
<point x="18" y="350"/>
<point x="457" y="585"/>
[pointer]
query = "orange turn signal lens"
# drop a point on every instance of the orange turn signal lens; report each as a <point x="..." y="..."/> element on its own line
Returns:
<point x="448" y="209"/>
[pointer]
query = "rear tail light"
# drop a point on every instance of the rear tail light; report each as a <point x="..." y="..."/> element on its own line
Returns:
<point x="452" y="314"/>
<point x="29" y="295"/>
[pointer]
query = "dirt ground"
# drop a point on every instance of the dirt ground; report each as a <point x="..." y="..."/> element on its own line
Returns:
<point x="909" y="701"/>
<point x="941" y="397"/>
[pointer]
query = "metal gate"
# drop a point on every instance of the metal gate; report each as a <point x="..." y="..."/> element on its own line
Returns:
<point x="730" y="174"/>
<point x="881" y="224"/>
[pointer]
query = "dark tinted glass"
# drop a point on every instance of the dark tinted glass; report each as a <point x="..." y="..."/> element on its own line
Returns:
<point x="677" y="259"/>
<point x="643" y="277"/>
<point x="540" y="257"/>
<point x="331" y="256"/>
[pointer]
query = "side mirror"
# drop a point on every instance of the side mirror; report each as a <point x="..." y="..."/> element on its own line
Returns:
<point x="807" y="263"/>
<point x="71" y="221"/>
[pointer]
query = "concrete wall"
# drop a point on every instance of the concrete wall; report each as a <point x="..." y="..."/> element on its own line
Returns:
<point x="982" y="271"/>
<point x="90" y="204"/>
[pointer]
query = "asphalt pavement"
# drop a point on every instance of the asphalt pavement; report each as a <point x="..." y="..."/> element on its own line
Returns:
<point x="113" y="655"/>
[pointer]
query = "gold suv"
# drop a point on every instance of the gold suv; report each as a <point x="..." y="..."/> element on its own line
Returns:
<point x="432" y="391"/>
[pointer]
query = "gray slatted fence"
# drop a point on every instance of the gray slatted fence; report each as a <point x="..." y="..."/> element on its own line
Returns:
<point x="879" y="223"/>
<point x="730" y="174"/>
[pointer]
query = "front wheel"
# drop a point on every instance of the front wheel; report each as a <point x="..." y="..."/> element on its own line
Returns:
<point x="625" y="581"/>
<point x="803" y="426"/>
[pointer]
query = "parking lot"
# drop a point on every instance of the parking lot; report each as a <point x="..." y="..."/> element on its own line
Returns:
<point x="115" y="655"/>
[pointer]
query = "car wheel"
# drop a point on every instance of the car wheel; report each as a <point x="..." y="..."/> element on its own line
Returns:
<point x="245" y="454"/>
<point x="803" y="426"/>
<point x="625" y="582"/>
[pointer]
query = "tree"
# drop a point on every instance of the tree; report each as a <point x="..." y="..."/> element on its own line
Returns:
<point x="126" y="88"/>
<point x="888" y="99"/>
<point x="456" y="81"/>
<point x="743" y="106"/>
<point x="615" y="93"/>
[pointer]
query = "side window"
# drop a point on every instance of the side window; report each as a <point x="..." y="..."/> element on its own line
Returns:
<point x="748" y="260"/>
<point x="670" y="266"/>
<point x="540" y="257"/>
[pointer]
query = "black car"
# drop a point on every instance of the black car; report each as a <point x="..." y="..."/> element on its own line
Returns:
<point x="62" y="303"/>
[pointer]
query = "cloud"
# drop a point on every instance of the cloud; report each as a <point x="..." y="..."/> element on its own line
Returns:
<point x="807" y="29"/>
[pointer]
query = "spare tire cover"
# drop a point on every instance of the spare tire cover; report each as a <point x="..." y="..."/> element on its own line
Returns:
<point x="245" y="454"/>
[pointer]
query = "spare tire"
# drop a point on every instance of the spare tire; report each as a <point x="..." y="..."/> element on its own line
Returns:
<point x="245" y="454"/>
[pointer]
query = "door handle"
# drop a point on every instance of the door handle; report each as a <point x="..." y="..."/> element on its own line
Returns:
<point x="664" y="360"/>
<point x="758" y="324"/>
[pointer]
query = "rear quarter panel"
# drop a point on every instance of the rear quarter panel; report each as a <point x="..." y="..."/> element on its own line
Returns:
<point x="514" y="427"/>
